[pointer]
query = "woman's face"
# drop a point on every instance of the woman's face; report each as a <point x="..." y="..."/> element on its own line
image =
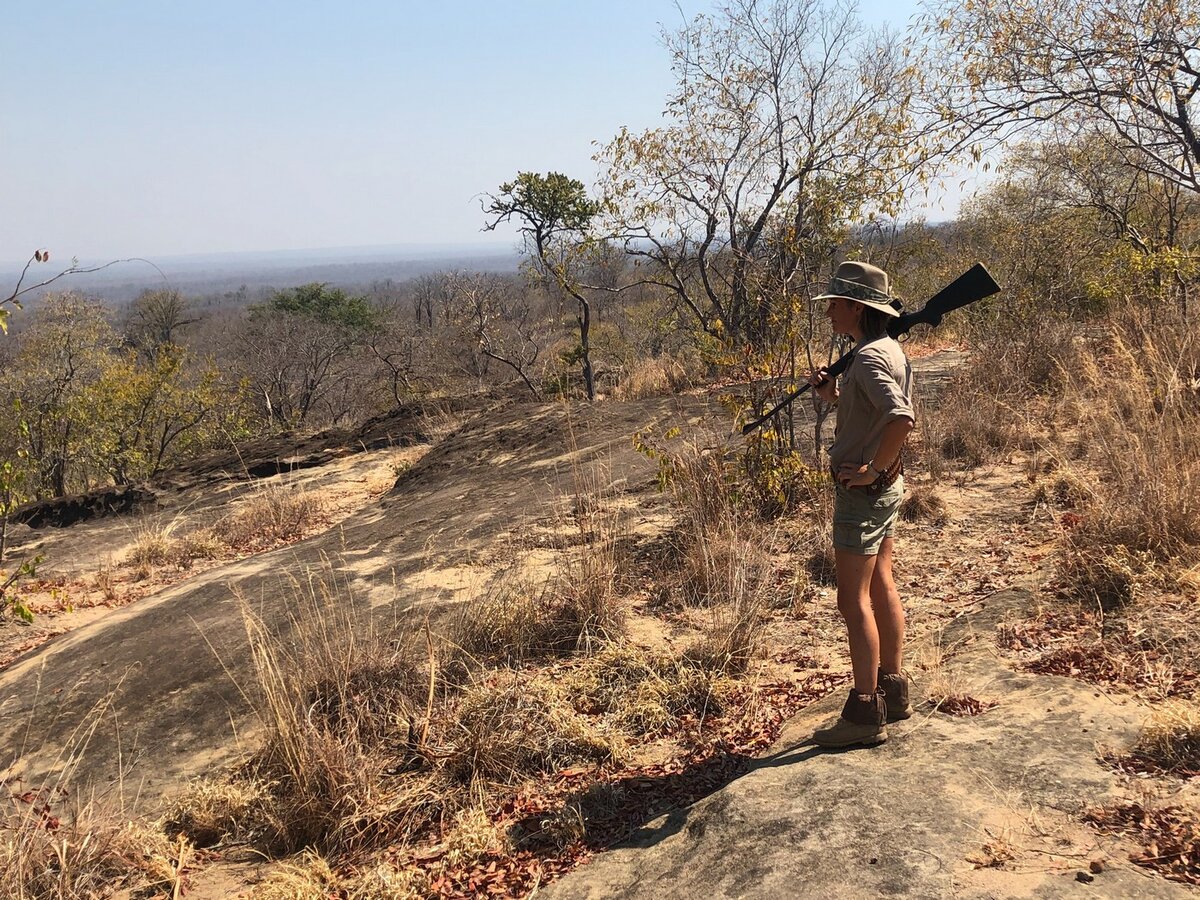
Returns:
<point x="844" y="315"/>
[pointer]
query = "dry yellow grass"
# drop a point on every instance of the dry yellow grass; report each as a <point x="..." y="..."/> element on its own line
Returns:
<point x="652" y="377"/>
<point x="330" y="692"/>
<point x="157" y="547"/>
<point x="366" y="745"/>
<point x="1170" y="741"/>
<point x="203" y="543"/>
<point x="923" y="503"/>
<point x="732" y="638"/>
<point x="152" y="547"/>
<point x="578" y="609"/>
<point x="268" y="517"/>
<point x="399" y="736"/>
<point x="519" y="620"/>
<point x="384" y="882"/>
<point x="988" y="407"/>
<point x="275" y="513"/>
<point x="1064" y="490"/>
<point x="106" y="584"/>
<point x="516" y="727"/>
<point x="643" y="692"/>
<point x="720" y="544"/>
<point x="57" y="843"/>
<point x="212" y="810"/>
<point x="55" y="848"/>
<point x="472" y="835"/>
<point x="308" y="877"/>
<point x="1137" y="405"/>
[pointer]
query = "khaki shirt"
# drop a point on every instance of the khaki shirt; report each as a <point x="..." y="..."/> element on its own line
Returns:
<point x="875" y="389"/>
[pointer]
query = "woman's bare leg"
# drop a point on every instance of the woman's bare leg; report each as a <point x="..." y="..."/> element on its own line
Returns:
<point x="888" y="611"/>
<point x="854" y="573"/>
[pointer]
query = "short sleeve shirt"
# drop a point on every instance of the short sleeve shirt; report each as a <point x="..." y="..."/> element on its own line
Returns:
<point x="875" y="389"/>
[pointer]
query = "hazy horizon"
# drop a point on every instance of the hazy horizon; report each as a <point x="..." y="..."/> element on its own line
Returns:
<point x="401" y="249"/>
<point x="213" y="273"/>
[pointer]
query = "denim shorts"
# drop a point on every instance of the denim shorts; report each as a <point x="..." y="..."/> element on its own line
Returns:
<point x="862" y="521"/>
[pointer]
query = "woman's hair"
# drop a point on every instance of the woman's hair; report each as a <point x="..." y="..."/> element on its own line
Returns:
<point x="874" y="323"/>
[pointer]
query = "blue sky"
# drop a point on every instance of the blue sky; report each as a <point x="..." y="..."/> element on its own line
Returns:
<point x="163" y="128"/>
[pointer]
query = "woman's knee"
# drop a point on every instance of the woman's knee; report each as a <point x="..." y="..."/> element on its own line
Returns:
<point x="882" y="583"/>
<point x="853" y="604"/>
<point x="883" y="587"/>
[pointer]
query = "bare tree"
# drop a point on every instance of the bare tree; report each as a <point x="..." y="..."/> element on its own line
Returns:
<point x="400" y="349"/>
<point x="1128" y="67"/>
<point x="429" y="296"/>
<point x="13" y="300"/>
<point x="787" y="121"/>
<point x="156" y="318"/>
<point x="299" y="347"/>
<point x="499" y="319"/>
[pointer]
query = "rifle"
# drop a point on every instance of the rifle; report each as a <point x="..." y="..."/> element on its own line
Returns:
<point x="973" y="284"/>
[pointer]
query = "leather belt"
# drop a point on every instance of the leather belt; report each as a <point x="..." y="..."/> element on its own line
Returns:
<point x="885" y="480"/>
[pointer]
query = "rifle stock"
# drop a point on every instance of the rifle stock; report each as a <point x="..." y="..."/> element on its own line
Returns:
<point x="973" y="284"/>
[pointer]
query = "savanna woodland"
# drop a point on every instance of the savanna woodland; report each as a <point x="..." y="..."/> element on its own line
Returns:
<point x="617" y="665"/>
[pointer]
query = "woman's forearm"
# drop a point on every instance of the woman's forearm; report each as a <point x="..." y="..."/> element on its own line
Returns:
<point x="890" y="443"/>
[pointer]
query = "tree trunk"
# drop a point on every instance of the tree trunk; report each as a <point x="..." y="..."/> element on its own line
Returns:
<point x="585" y="327"/>
<point x="58" y="476"/>
<point x="821" y="412"/>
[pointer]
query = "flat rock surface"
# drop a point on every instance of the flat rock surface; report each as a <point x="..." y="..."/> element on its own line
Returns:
<point x="979" y="806"/>
<point x="157" y="682"/>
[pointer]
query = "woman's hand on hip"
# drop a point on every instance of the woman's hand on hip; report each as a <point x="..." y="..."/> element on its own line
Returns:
<point x="850" y="475"/>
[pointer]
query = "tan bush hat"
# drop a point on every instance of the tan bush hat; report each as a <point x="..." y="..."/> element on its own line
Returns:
<point x="863" y="283"/>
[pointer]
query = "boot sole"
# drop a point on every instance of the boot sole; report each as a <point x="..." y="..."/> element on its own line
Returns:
<point x="865" y="741"/>
<point x="902" y="715"/>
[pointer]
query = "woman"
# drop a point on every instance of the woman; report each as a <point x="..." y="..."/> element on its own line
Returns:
<point x="874" y="417"/>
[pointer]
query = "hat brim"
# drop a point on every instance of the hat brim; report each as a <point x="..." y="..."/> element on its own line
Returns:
<point x="882" y="305"/>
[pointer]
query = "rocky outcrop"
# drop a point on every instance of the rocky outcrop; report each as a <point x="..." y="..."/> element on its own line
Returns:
<point x="174" y="662"/>
<point x="63" y="512"/>
<point x="979" y="806"/>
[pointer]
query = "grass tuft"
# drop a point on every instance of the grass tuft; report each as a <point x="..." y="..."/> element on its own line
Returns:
<point x="652" y="377"/>
<point x="924" y="504"/>
<point x="732" y="639"/>
<point x="274" y="514"/>
<point x="1170" y="743"/>
<point x="55" y="849"/>
<point x="646" y="693"/>
<point x="519" y="621"/>
<point x="308" y="877"/>
<point x="213" y="810"/>
<point x="1141" y="519"/>
<point x="333" y="696"/>
<point x="518" y="727"/>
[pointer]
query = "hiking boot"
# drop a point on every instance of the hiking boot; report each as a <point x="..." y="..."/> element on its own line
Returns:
<point x="895" y="695"/>
<point x="861" y="722"/>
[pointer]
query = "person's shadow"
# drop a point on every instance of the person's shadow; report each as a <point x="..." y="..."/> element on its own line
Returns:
<point x="626" y="812"/>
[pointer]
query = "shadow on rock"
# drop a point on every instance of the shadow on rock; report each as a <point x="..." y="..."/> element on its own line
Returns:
<point x="643" y="808"/>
